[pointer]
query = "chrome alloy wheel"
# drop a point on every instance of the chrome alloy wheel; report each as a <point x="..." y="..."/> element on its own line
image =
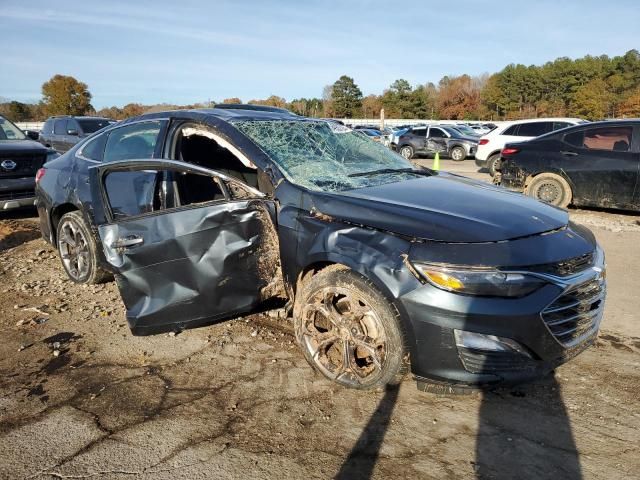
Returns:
<point x="74" y="250"/>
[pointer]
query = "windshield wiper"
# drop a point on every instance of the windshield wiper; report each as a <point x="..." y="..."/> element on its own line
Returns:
<point x="389" y="170"/>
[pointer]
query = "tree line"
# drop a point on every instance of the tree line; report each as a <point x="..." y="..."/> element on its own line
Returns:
<point x="589" y="87"/>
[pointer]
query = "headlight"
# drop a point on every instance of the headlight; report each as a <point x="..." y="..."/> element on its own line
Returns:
<point x="482" y="282"/>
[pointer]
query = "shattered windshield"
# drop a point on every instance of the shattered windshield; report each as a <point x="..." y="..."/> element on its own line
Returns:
<point x="327" y="156"/>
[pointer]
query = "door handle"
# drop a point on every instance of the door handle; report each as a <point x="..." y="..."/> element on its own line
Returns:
<point x="127" y="242"/>
<point x="568" y="153"/>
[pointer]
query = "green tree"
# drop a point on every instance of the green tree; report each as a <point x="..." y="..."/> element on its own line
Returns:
<point x="64" y="95"/>
<point x="592" y="100"/>
<point x="346" y="97"/>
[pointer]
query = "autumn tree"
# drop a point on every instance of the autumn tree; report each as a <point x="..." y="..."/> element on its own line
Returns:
<point x="64" y="95"/>
<point x="272" y="101"/>
<point x="371" y="106"/>
<point x="630" y="106"/>
<point x="327" y="102"/>
<point x="232" y="100"/>
<point x="592" y="100"/>
<point x="308" y="107"/>
<point x="458" y="98"/>
<point x="347" y="97"/>
<point x="15" y="111"/>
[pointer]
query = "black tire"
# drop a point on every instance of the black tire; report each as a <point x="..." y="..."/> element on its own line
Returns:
<point x="349" y="331"/>
<point x="492" y="163"/>
<point x="406" y="151"/>
<point x="458" y="154"/>
<point x="78" y="250"/>
<point x="550" y="188"/>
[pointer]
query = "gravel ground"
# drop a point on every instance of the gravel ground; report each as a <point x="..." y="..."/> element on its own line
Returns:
<point x="81" y="397"/>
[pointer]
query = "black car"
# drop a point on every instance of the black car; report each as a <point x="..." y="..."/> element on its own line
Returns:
<point x="204" y="214"/>
<point x="62" y="133"/>
<point x="436" y="138"/>
<point x="595" y="164"/>
<point x="20" y="159"/>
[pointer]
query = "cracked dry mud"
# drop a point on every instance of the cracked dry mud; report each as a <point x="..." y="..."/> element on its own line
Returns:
<point x="237" y="399"/>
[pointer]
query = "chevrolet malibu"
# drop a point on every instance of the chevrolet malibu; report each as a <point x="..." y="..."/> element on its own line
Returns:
<point x="202" y="215"/>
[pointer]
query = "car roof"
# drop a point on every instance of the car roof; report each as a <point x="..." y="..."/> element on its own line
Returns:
<point x="542" y="119"/>
<point x="228" y="113"/>
<point x="79" y="117"/>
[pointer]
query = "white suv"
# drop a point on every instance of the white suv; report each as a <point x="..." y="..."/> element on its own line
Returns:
<point x="491" y="144"/>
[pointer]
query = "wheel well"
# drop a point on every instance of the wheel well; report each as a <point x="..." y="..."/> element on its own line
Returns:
<point x="309" y="271"/>
<point x="56" y="215"/>
<point x="495" y="152"/>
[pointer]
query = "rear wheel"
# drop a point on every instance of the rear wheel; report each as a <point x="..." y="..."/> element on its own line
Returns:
<point x="77" y="250"/>
<point x="493" y="163"/>
<point x="407" y="152"/>
<point x="348" y="331"/>
<point x="550" y="188"/>
<point x="458" y="154"/>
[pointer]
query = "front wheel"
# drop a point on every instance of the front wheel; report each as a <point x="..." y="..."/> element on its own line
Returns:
<point x="550" y="188"/>
<point x="77" y="250"/>
<point x="458" y="154"/>
<point x="407" y="152"/>
<point x="348" y="331"/>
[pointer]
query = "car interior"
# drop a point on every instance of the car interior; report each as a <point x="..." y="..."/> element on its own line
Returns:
<point x="198" y="146"/>
<point x="617" y="139"/>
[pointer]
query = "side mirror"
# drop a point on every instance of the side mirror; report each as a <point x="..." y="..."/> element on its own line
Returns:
<point x="72" y="131"/>
<point x="32" y="134"/>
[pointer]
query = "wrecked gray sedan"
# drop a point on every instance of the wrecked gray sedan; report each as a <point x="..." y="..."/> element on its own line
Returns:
<point x="205" y="214"/>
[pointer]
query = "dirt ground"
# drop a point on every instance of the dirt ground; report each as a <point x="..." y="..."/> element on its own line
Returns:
<point x="81" y="397"/>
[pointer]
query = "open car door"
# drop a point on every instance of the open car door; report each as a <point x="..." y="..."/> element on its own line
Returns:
<point x="187" y="245"/>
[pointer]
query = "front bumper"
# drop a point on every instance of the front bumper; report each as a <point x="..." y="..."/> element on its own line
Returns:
<point x="17" y="192"/>
<point x="541" y="323"/>
<point x="17" y="203"/>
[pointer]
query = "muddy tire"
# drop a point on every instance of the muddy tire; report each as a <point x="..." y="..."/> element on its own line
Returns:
<point x="407" y="152"/>
<point x="550" y="188"/>
<point x="78" y="251"/>
<point x="493" y="163"/>
<point x="457" y="154"/>
<point x="349" y="331"/>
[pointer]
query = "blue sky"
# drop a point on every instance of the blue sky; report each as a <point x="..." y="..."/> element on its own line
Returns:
<point x="191" y="51"/>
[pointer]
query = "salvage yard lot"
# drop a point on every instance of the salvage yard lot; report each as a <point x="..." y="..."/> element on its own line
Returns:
<point x="81" y="397"/>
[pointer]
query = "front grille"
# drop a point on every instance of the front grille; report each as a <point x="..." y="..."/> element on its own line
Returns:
<point x="575" y="315"/>
<point x="17" y="194"/>
<point x="566" y="267"/>
<point x="25" y="165"/>
<point x="480" y="361"/>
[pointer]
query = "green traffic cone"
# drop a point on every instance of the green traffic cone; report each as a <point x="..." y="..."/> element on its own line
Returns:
<point x="436" y="161"/>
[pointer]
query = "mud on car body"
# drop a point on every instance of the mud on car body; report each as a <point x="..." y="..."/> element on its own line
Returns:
<point x="204" y="214"/>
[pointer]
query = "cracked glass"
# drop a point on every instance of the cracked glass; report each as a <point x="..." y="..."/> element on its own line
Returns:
<point x="327" y="156"/>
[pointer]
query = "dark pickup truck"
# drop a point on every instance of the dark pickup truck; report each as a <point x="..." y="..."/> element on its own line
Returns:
<point x="20" y="159"/>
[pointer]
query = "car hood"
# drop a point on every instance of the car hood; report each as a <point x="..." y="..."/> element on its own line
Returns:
<point x="21" y="146"/>
<point x="445" y="208"/>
